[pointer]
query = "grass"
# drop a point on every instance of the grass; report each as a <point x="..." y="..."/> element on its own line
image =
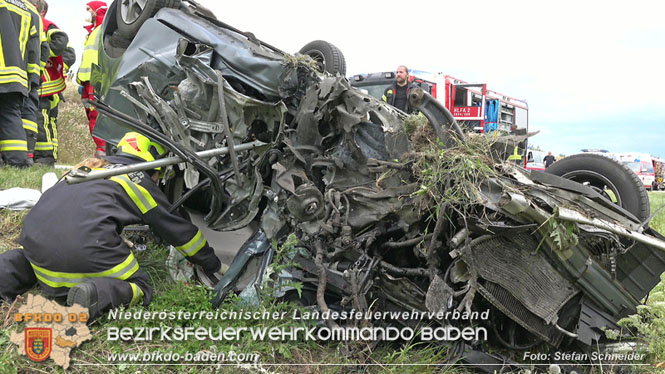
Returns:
<point x="75" y="142"/>
<point x="657" y="200"/>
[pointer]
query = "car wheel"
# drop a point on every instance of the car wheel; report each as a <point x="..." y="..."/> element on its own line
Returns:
<point x="131" y="14"/>
<point x="611" y="179"/>
<point x="328" y="57"/>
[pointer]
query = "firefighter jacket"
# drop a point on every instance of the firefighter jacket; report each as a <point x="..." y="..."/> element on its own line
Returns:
<point x="90" y="48"/>
<point x="73" y="232"/>
<point x="90" y="51"/>
<point x="61" y="57"/>
<point x="20" y="45"/>
<point x="389" y="96"/>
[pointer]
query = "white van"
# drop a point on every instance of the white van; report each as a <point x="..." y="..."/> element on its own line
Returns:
<point x="535" y="160"/>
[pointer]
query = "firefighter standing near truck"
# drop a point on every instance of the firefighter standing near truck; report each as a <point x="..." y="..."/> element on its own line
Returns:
<point x="397" y="94"/>
<point x="60" y="58"/>
<point x="96" y="12"/>
<point x="19" y="58"/>
<point x="71" y="238"/>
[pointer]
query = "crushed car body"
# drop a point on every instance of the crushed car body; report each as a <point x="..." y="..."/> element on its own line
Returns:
<point x="387" y="215"/>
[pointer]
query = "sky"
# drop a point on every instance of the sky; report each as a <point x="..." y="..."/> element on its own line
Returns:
<point x="591" y="71"/>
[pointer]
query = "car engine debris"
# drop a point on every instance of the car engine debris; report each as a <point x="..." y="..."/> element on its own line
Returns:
<point x="387" y="217"/>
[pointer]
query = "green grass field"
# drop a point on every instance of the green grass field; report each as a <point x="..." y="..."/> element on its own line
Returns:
<point x="174" y="296"/>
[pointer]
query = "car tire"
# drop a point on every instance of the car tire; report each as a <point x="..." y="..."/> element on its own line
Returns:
<point x="602" y="174"/>
<point x="130" y="16"/>
<point x="328" y="57"/>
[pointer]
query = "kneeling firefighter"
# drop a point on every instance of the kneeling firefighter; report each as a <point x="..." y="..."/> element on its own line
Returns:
<point x="71" y="238"/>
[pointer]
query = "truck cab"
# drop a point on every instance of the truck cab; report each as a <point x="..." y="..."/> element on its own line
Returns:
<point x="472" y="104"/>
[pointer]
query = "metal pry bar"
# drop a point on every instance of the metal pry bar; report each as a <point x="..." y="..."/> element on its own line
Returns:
<point x="93" y="175"/>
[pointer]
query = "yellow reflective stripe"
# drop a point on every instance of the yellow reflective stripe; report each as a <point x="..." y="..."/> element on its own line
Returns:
<point x="30" y="125"/>
<point x="52" y="31"/>
<point x="33" y="69"/>
<point x="25" y="25"/>
<point x="137" y="294"/>
<point x="11" y="69"/>
<point x="139" y="195"/>
<point x="43" y="146"/>
<point x="516" y="154"/>
<point x="89" y="56"/>
<point x="20" y="78"/>
<point x="54" y="140"/>
<point x="52" y="87"/>
<point x="56" y="279"/>
<point x="46" y="125"/>
<point x="13" y="145"/>
<point x="193" y="246"/>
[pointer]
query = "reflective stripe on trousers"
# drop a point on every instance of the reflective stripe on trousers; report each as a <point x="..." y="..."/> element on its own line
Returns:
<point x="57" y="279"/>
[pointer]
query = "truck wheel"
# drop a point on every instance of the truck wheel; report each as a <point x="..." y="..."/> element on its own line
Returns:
<point x="131" y="14"/>
<point x="611" y="179"/>
<point x="328" y="57"/>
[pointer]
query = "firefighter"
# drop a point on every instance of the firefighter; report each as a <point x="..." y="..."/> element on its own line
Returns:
<point x="19" y="57"/>
<point x="29" y="110"/>
<point x="96" y="12"/>
<point x="61" y="57"/>
<point x="71" y="238"/>
<point x="397" y="94"/>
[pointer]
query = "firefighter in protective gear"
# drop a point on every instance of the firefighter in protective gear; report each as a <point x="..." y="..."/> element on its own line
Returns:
<point x="29" y="110"/>
<point x="397" y="94"/>
<point x="71" y="237"/>
<point x="19" y="58"/>
<point x="97" y="11"/>
<point x="60" y="58"/>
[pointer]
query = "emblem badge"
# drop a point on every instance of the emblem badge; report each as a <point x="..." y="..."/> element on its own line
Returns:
<point x="38" y="343"/>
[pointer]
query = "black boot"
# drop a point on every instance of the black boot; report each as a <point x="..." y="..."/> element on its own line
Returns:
<point x="85" y="294"/>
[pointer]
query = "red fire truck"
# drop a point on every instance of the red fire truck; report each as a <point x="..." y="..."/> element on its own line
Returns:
<point x="472" y="104"/>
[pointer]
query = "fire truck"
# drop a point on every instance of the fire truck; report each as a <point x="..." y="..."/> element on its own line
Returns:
<point x="642" y="164"/>
<point x="472" y="104"/>
<point x="659" y="171"/>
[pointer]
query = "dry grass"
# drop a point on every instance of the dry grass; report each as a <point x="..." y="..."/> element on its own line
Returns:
<point x="75" y="142"/>
<point x="10" y="226"/>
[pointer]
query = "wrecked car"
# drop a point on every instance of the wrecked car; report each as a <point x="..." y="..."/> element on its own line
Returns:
<point x="387" y="214"/>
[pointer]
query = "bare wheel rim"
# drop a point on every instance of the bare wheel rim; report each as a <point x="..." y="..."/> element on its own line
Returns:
<point x="131" y="10"/>
<point x="597" y="182"/>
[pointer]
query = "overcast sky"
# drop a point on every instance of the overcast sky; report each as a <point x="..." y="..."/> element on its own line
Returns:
<point x="591" y="71"/>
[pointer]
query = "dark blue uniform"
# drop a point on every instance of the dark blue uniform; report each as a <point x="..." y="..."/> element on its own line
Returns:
<point x="72" y="235"/>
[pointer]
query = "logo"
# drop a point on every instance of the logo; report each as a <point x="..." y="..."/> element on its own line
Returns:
<point x="133" y="143"/>
<point x="38" y="343"/>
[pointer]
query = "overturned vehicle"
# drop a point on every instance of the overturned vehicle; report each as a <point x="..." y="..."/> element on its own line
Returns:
<point x="389" y="213"/>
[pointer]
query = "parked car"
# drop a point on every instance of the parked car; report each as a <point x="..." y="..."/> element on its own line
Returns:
<point x="263" y="139"/>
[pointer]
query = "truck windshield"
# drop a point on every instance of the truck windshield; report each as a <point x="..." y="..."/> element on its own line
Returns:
<point x="647" y="167"/>
<point x="374" y="90"/>
<point x="634" y="166"/>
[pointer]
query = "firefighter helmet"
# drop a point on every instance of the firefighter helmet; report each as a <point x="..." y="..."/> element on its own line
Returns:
<point x="139" y="146"/>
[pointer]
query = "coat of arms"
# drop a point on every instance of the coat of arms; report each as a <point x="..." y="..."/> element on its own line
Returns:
<point x="38" y="343"/>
